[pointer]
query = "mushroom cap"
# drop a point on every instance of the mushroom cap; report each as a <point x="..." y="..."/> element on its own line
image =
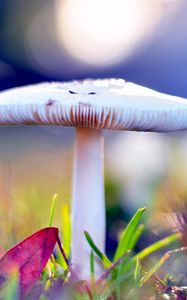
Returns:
<point x="97" y="104"/>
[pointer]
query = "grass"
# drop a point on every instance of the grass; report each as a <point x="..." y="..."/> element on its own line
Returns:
<point x="125" y="276"/>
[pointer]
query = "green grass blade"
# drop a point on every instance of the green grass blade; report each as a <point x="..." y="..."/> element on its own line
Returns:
<point x="137" y="273"/>
<point x="92" y="277"/>
<point x="127" y="265"/>
<point x="66" y="229"/>
<point x="157" y="246"/>
<point x="92" y="266"/>
<point x="162" y="260"/>
<point x="66" y="236"/>
<point x="114" y="285"/>
<point x="106" y="262"/>
<point x="53" y="208"/>
<point x="136" y="236"/>
<point x="126" y="242"/>
<point x="156" y="266"/>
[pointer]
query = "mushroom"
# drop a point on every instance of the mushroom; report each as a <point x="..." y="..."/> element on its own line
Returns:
<point x="90" y="106"/>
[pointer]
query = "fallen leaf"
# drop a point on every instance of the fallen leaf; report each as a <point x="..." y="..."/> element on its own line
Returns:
<point x="29" y="257"/>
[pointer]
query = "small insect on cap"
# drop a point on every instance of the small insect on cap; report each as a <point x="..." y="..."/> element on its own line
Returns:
<point x="96" y="104"/>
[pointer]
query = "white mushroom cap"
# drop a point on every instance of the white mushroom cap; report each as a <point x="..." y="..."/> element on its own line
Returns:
<point x="97" y="104"/>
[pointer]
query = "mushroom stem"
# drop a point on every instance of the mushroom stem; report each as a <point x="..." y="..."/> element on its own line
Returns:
<point x="88" y="205"/>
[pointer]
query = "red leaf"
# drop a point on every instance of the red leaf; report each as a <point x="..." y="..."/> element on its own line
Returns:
<point x="29" y="257"/>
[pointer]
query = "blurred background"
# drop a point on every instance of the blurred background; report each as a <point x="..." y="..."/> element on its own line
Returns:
<point x="44" y="40"/>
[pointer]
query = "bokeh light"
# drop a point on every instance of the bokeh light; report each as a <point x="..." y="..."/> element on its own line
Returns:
<point x="102" y="32"/>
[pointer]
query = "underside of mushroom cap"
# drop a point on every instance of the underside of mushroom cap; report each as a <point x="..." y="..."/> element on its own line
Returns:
<point x="96" y="104"/>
